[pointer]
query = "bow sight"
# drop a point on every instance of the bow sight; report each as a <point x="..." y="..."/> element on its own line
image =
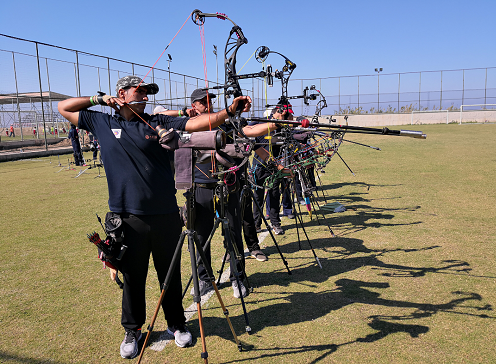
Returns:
<point x="284" y="104"/>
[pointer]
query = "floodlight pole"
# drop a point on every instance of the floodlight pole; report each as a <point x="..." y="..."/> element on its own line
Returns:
<point x="170" y="85"/>
<point x="378" y="70"/>
<point x="217" y="67"/>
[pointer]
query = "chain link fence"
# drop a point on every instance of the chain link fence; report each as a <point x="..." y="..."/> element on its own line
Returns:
<point x="35" y="76"/>
<point x="32" y="83"/>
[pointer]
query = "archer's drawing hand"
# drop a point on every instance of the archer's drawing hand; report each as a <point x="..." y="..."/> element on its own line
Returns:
<point x="113" y="102"/>
<point x="245" y="101"/>
<point x="191" y="113"/>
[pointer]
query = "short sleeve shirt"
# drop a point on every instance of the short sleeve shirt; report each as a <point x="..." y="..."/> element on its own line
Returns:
<point x="139" y="176"/>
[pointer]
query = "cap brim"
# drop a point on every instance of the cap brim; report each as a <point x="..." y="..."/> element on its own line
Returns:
<point x="211" y="96"/>
<point x="152" y="88"/>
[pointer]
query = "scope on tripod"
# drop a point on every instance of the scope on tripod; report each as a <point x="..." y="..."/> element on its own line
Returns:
<point x="203" y="140"/>
<point x="186" y="146"/>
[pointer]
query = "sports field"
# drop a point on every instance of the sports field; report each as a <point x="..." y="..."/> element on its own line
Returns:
<point x="409" y="278"/>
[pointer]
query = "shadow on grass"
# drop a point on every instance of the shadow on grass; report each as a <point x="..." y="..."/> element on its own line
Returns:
<point x="347" y="248"/>
<point x="365" y="217"/>
<point x="6" y="357"/>
<point x="383" y="329"/>
<point x="295" y="308"/>
<point x="337" y="186"/>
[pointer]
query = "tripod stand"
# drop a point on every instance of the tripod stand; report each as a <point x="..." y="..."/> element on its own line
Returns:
<point x="95" y="165"/>
<point x="231" y="248"/>
<point x="193" y="247"/>
<point x="299" y="221"/>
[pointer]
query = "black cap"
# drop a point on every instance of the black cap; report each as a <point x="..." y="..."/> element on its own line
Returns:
<point x="200" y="93"/>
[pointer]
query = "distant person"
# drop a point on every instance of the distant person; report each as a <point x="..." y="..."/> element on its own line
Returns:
<point x="94" y="146"/>
<point x="76" y="147"/>
<point x="12" y="132"/>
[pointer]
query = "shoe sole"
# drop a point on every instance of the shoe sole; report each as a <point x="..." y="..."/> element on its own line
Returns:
<point x="264" y="259"/>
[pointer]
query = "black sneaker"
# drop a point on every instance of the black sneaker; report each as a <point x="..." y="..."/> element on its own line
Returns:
<point x="259" y="229"/>
<point x="129" y="346"/>
<point x="182" y="336"/>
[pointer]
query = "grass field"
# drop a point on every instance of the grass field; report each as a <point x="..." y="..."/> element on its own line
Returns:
<point x="410" y="276"/>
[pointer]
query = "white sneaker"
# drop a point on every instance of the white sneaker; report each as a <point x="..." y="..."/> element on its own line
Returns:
<point x="129" y="346"/>
<point x="182" y="336"/>
<point x="236" y="290"/>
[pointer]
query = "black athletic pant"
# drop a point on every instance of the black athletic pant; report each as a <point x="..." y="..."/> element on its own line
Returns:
<point x="159" y="235"/>
<point x="204" y="223"/>
<point x="249" y="228"/>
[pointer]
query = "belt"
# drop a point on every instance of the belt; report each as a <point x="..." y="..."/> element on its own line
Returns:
<point x="211" y="185"/>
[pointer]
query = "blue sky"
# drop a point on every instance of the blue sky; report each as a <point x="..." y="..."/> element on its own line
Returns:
<point x="324" y="38"/>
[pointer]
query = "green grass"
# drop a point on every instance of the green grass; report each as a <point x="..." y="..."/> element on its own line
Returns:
<point x="410" y="276"/>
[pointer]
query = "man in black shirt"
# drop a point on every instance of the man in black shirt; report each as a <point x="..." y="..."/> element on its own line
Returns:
<point x="141" y="190"/>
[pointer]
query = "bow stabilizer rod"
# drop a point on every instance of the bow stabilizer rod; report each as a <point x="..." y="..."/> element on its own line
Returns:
<point x="354" y="129"/>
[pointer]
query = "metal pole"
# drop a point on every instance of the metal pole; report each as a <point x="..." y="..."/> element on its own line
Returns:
<point x="170" y="85"/>
<point x="441" y="101"/>
<point x="378" y="107"/>
<point x="165" y="93"/>
<point x="339" y="94"/>
<point x="79" y="85"/>
<point x="301" y="99"/>
<point x="463" y="88"/>
<point x="77" y="75"/>
<point x="378" y="70"/>
<point x="485" y="89"/>
<point x="217" y="75"/>
<point x="420" y="86"/>
<point x="17" y="94"/>
<point x="253" y="96"/>
<point x="185" y="91"/>
<point x="358" y="109"/>
<point x="50" y="100"/>
<point x="99" y="84"/>
<point x="41" y="95"/>
<point x="399" y="83"/>
<point x="153" y="80"/>
<point x="110" y="86"/>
